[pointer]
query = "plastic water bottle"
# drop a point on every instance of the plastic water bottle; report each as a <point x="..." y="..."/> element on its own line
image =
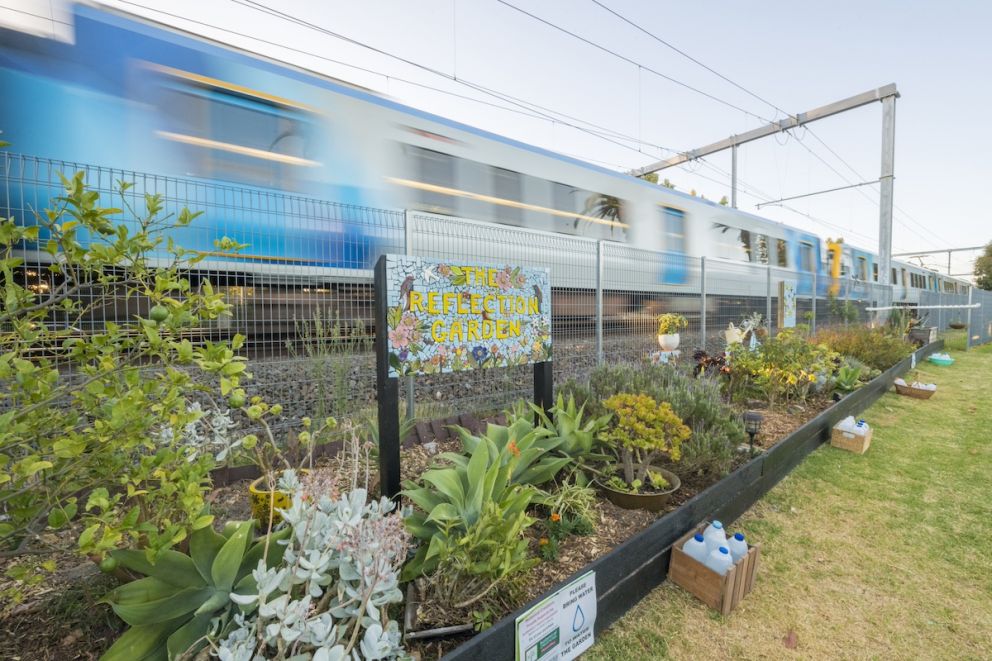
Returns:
<point x="737" y="546"/>
<point x="696" y="549"/>
<point x="719" y="560"/>
<point x="714" y="536"/>
<point x="861" y="428"/>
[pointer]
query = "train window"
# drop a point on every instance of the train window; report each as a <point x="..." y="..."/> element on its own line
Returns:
<point x="729" y="242"/>
<point x="862" y="273"/>
<point x="895" y="279"/>
<point x="782" y="252"/>
<point x="563" y="197"/>
<point x="762" y="249"/>
<point x="507" y="186"/>
<point x="674" y="230"/>
<point x="806" y="257"/>
<point x="437" y="169"/>
<point x="874" y="273"/>
<point x="235" y="136"/>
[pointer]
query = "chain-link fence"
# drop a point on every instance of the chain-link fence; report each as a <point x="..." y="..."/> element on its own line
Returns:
<point x="301" y="289"/>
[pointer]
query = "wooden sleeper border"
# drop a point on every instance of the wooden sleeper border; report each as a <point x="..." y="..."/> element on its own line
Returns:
<point x="630" y="571"/>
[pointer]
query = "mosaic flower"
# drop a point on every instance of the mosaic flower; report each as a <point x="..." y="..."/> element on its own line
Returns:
<point x="403" y="355"/>
<point x="520" y="280"/>
<point x="444" y="270"/>
<point x="479" y="353"/>
<point x="399" y="337"/>
<point x="503" y="279"/>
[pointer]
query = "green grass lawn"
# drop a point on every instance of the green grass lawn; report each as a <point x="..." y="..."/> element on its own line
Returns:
<point x="881" y="556"/>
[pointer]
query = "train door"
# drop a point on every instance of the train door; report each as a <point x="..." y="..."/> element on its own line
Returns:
<point x="807" y="262"/>
<point x="674" y="267"/>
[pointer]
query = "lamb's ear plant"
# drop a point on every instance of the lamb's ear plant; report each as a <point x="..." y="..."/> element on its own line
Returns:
<point x="184" y="597"/>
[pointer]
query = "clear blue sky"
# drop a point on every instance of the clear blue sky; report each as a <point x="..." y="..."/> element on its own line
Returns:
<point x="795" y="55"/>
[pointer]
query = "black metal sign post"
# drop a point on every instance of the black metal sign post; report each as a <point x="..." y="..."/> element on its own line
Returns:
<point x="387" y="392"/>
<point x="544" y="386"/>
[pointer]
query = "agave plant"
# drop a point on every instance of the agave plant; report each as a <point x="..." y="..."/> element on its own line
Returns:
<point x="453" y="498"/>
<point x="529" y="447"/>
<point x="171" y="609"/>
<point x="577" y="434"/>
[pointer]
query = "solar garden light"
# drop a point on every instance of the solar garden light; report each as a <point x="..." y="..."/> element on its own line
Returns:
<point x="752" y="425"/>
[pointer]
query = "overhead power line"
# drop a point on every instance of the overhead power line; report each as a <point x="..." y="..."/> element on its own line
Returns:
<point x="643" y="66"/>
<point x="522" y="106"/>
<point x="784" y="112"/>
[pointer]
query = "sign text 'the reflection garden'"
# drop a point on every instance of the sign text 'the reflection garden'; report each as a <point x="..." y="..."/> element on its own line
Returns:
<point x="449" y="316"/>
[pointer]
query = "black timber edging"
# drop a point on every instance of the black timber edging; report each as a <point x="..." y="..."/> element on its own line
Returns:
<point x="629" y="572"/>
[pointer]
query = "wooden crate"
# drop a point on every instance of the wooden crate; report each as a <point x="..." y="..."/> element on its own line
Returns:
<point x="721" y="593"/>
<point x="850" y="442"/>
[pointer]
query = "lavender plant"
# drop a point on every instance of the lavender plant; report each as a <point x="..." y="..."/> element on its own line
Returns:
<point x="327" y="600"/>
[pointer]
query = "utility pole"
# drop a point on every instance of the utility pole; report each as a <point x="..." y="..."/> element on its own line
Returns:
<point x="886" y="180"/>
<point x="733" y="176"/>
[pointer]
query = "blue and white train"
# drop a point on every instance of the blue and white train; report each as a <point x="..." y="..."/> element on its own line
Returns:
<point x="133" y="95"/>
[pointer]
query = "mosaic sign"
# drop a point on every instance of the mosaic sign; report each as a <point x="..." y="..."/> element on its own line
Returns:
<point x="452" y="316"/>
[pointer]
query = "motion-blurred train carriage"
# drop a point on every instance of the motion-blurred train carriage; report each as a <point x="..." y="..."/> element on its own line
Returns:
<point x="314" y="174"/>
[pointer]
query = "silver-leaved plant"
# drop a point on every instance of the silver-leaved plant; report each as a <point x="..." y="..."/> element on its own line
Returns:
<point x="327" y="600"/>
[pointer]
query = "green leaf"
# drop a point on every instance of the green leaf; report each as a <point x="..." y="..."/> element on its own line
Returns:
<point x="170" y="567"/>
<point x="228" y="560"/>
<point x="142" y="643"/>
<point x="183" y="602"/>
<point x="190" y="635"/>
<point x="447" y="482"/>
<point x="138" y="592"/>
<point x="218" y="600"/>
<point x="204" y="544"/>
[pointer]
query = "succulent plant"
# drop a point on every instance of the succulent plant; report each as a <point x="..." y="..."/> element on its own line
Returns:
<point x="183" y="598"/>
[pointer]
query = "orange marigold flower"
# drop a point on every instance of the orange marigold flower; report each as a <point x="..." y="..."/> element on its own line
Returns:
<point x="513" y="449"/>
<point x="543" y="541"/>
<point x="556" y="517"/>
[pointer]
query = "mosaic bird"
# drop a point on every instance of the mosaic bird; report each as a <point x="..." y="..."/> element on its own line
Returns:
<point x="539" y="295"/>
<point x="405" y="290"/>
<point x="429" y="275"/>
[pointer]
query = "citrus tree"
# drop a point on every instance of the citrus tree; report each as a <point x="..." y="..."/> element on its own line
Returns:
<point x="94" y="449"/>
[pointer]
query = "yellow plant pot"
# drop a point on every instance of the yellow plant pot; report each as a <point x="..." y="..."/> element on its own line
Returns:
<point x="262" y="501"/>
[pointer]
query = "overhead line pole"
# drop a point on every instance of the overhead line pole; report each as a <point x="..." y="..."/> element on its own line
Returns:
<point x="794" y="121"/>
<point x="887" y="94"/>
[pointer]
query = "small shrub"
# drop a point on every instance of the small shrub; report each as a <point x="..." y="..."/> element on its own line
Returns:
<point x="872" y="346"/>
<point x="716" y="427"/>
<point x="644" y="431"/>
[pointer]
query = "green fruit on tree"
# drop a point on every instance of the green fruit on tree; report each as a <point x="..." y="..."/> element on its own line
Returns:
<point x="108" y="564"/>
<point x="236" y="400"/>
<point x="158" y="314"/>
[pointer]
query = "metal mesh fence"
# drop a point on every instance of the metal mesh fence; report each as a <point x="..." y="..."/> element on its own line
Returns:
<point x="934" y="310"/>
<point x="301" y="289"/>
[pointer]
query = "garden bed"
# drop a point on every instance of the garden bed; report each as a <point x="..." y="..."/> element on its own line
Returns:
<point x="627" y="573"/>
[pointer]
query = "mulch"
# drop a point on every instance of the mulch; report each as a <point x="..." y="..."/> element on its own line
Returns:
<point x="57" y="618"/>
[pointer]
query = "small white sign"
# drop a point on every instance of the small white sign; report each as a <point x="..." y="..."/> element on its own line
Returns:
<point x="560" y="628"/>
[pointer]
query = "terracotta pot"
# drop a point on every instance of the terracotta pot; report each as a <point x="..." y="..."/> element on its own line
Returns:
<point x="652" y="502"/>
<point x="669" y="342"/>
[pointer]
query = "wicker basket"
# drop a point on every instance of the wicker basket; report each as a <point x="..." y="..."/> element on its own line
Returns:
<point x="918" y="393"/>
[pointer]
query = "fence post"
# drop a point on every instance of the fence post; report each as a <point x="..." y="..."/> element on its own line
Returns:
<point x="408" y="250"/>
<point x="599" y="302"/>
<point x="768" y="301"/>
<point x="702" y="302"/>
<point x="967" y="343"/>
<point x="812" y="319"/>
